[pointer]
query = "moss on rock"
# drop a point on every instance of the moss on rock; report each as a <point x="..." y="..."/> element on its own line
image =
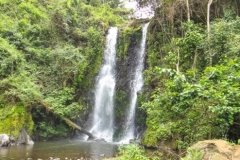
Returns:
<point x="13" y="119"/>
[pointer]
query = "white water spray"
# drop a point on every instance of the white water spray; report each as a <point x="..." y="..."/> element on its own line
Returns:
<point x="103" y="114"/>
<point x="136" y="86"/>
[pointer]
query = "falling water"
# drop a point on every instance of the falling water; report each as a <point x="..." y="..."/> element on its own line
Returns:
<point x="103" y="113"/>
<point x="136" y="86"/>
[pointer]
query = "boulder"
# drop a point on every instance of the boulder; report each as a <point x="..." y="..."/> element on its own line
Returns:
<point x="24" y="138"/>
<point x="217" y="150"/>
<point x="100" y="140"/>
<point x="4" y="140"/>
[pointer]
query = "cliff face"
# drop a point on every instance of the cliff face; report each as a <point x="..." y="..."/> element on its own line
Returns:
<point x="128" y="48"/>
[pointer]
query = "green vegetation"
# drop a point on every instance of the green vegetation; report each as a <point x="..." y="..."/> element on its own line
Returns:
<point x="50" y="52"/>
<point x="192" y="79"/>
<point x="13" y="119"/>
<point x="193" y="155"/>
<point x="126" y="36"/>
<point x="134" y="152"/>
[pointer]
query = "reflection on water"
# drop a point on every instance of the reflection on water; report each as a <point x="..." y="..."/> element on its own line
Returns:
<point x="67" y="149"/>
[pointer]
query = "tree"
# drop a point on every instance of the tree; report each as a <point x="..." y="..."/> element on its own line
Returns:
<point x="208" y="27"/>
<point x="208" y="16"/>
<point x="188" y="10"/>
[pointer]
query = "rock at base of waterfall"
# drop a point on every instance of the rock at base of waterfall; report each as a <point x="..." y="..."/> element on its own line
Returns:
<point x="100" y="140"/>
<point x="132" y="141"/>
<point x="24" y="138"/>
<point x="4" y="140"/>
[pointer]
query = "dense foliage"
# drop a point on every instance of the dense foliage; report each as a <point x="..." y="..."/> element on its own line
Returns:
<point x="192" y="81"/>
<point x="134" y="152"/>
<point x="50" y="53"/>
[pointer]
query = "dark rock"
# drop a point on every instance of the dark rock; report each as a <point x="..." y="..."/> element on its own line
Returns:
<point x="100" y="140"/>
<point x="125" y="69"/>
<point x="12" y="139"/>
<point x="132" y="141"/>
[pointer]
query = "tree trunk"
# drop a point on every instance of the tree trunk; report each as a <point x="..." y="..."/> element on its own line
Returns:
<point x="188" y="11"/>
<point x="195" y="60"/>
<point x="208" y="17"/>
<point x="75" y="126"/>
<point x="178" y="61"/>
<point x="237" y="7"/>
<point x="67" y="121"/>
<point x="194" y="66"/>
<point x="209" y="28"/>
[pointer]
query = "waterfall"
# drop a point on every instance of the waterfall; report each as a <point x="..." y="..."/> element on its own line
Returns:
<point x="103" y="113"/>
<point x="135" y="86"/>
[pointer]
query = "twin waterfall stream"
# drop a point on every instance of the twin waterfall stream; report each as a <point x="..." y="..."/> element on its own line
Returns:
<point x="103" y="113"/>
<point x="136" y="86"/>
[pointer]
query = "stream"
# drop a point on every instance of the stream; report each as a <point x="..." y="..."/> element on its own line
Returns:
<point x="60" y="150"/>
